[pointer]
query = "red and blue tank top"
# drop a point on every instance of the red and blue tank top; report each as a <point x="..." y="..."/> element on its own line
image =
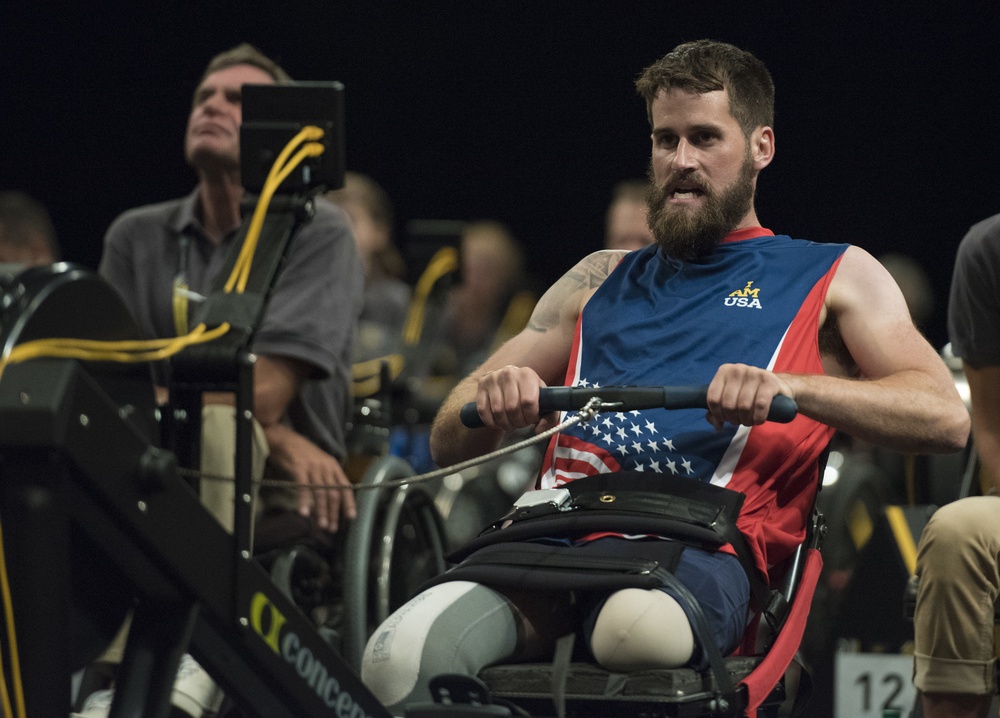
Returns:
<point x="657" y="321"/>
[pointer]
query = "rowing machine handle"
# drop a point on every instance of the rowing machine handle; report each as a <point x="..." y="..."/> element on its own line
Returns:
<point x="628" y="398"/>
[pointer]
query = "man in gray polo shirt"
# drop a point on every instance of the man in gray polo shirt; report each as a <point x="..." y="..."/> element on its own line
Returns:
<point x="160" y="253"/>
<point x="302" y="376"/>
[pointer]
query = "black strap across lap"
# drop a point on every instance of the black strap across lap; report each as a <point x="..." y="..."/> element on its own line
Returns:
<point x="691" y="512"/>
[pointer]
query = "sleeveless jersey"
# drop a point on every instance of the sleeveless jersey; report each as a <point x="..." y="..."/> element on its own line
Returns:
<point x="658" y="321"/>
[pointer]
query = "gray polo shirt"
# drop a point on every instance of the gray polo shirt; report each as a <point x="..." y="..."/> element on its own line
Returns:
<point x="974" y="302"/>
<point x="311" y="315"/>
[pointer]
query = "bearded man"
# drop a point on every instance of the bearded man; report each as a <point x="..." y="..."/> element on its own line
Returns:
<point x="718" y="300"/>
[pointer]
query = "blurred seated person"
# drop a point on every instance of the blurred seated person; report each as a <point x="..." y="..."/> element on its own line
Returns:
<point x="387" y="295"/>
<point x="492" y="276"/>
<point x="487" y="306"/>
<point x="625" y="224"/>
<point x="27" y="236"/>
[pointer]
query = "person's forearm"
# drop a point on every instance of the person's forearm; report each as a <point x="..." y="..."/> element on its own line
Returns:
<point x="451" y="442"/>
<point x="907" y="412"/>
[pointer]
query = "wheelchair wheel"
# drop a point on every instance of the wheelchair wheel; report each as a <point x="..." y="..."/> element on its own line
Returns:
<point x="395" y="544"/>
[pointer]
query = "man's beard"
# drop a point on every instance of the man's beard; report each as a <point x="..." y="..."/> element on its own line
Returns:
<point x="688" y="235"/>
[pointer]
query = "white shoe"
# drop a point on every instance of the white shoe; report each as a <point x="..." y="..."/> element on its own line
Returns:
<point x="195" y="694"/>
<point x="97" y="705"/>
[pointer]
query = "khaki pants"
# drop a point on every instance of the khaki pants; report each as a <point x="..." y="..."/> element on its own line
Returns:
<point x="218" y="458"/>
<point x="958" y="564"/>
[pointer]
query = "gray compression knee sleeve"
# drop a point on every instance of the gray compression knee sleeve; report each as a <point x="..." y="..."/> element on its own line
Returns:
<point x="454" y="627"/>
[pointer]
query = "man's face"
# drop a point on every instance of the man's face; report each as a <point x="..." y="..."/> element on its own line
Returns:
<point x="212" y="141"/>
<point x="702" y="172"/>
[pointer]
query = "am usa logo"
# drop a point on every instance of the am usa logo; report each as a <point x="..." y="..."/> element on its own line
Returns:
<point x="748" y="297"/>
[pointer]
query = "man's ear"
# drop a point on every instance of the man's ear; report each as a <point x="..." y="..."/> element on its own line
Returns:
<point x="762" y="147"/>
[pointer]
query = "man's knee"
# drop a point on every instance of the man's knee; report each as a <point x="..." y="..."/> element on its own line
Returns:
<point x="960" y="523"/>
<point x="961" y="543"/>
<point x="638" y="629"/>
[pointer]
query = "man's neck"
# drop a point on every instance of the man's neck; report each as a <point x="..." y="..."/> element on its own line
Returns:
<point x="219" y="204"/>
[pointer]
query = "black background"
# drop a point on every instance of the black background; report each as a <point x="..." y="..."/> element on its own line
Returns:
<point x="887" y="113"/>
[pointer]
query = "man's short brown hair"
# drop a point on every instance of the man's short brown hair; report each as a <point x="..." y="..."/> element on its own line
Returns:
<point x="708" y="65"/>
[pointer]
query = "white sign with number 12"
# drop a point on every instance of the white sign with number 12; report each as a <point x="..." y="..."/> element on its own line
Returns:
<point x="869" y="683"/>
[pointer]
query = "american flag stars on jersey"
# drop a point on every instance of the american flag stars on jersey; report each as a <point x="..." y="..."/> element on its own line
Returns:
<point x="624" y="441"/>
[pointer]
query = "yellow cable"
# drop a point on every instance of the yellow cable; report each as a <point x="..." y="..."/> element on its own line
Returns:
<point x="444" y="261"/>
<point x="904" y="537"/>
<point x="118" y="345"/>
<point x="859" y="524"/>
<point x="312" y="149"/>
<point x="15" y="661"/>
<point x="90" y="350"/>
<point x="309" y="133"/>
<point x="4" y="695"/>
<point x="278" y="173"/>
<point x="303" y="135"/>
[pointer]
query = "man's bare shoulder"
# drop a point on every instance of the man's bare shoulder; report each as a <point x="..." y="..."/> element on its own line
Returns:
<point x="861" y="274"/>
<point x="564" y="300"/>
<point x="598" y="265"/>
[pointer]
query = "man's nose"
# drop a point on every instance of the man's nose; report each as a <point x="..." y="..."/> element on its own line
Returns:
<point x="213" y="103"/>
<point x="685" y="155"/>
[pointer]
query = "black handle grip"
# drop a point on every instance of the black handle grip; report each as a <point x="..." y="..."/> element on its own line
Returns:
<point x="566" y="398"/>
<point x="469" y="415"/>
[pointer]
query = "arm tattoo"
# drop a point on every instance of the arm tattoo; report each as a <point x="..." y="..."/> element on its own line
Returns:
<point x="570" y="289"/>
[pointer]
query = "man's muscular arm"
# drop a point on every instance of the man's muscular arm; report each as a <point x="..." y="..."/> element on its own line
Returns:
<point x="897" y="394"/>
<point x="505" y="387"/>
